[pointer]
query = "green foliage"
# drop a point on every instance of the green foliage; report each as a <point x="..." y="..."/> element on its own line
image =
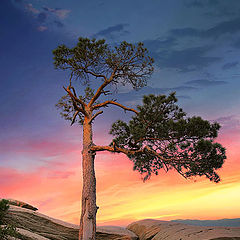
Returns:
<point x="7" y="229"/>
<point x="162" y="137"/>
<point x="91" y="59"/>
<point x="3" y="208"/>
<point x="87" y="55"/>
<point x="94" y="57"/>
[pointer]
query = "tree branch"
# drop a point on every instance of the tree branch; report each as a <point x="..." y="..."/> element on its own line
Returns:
<point x="116" y="149"/>
<point x="111" y="149"/>
<point x="99" y="91"/>
<point x="95" y="74"/>
<point x="74" y="117"/>
<point x="95" y="115"/>
<point x="114" y="103"/>
<point x="75" y="99"/>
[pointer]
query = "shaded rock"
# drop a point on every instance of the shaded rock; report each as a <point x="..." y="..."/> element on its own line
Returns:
<point x="32" y="224"/>
<point x="114" y="230"/>
<point x="20" y="204"/>
<point x="158" y="230"/>
<point x="30" y="235"/>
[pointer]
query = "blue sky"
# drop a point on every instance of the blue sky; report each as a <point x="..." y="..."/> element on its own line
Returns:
<point x="195" y="45"/>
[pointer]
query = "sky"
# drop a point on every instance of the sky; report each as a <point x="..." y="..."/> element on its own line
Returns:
<point x="196" y="47"/>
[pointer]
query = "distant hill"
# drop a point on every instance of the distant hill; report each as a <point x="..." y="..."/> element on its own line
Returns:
<point x="234" y="222"/>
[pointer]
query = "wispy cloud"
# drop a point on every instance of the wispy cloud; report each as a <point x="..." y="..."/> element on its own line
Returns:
<point x="59" y="24"/>
<point x="29" y="7"/>
<point x="60" y="13"/>
<point x="42" y="17"/>
<point x="231" y="122"/>
<point x="186" y="60"/>
<point x="205" y="83"/>
<point x="201" y="3"/>
<point x="42" y="28"/>
<point x="222" y="28"/>
<point x="229" y="65"/>
<point x="112" y="31"/>
<point x="134" y="98"/>
<point x="157" y="44"/>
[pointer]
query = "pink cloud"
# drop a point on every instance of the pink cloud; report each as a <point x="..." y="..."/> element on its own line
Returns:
<point x="29" y="7"/>
<point x="60" y="13"/>
<point x="42" y="28"/>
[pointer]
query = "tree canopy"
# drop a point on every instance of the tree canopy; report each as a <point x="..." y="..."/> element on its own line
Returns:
<point x="160" y="136"/>
<point x="93" y="59"/>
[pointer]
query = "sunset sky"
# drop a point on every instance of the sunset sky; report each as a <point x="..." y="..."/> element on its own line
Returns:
<point x="196" y="47"/>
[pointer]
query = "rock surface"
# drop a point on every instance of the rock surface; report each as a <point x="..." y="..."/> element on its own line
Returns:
<point x="33" y="225"/>
<point x="20" y="204"/>
<point x="163" y="230"/>
<point x="36" y="226"/>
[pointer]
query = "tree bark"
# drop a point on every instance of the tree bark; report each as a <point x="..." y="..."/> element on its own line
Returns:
<point x="87" y="229"/>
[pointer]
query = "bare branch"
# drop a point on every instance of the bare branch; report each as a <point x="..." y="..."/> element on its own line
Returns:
<point x="106" y="92"/>
<point x="100" y="89"/>
<point x="95" y="74"/>
<point x="75" y="99"/>
<point x="95" y="115"/>
<point x="74" y="92"/>
<point x="74" y="117"/>
<point x="114" y="103"/>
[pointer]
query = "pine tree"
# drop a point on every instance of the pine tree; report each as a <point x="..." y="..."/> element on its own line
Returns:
<point x="159" y="135"/>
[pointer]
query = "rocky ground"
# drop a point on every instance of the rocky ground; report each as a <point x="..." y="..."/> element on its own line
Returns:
<point x="164" y="230"/>
<point x="36" y="226"/>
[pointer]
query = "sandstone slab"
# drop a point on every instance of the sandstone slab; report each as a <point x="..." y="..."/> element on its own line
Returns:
<point x="33" y="224"/>
<point x="164" y="230"/>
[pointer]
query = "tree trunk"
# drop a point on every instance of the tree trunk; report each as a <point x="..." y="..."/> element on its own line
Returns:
<point x="89" y="209"/>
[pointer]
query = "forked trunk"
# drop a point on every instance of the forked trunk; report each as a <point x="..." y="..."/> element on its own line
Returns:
<point x="89" y="209"/>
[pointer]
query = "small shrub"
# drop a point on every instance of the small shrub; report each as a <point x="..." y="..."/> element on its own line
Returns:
<point x="5" y="228"/>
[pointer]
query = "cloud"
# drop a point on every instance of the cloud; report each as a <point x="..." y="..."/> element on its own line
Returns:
<point x="231" y="122"/>
<point x="222" y="28"/>
<point x="29" y="7"/>
<point x="59" y="24"/>
<point x="157" y="44"/>
<point x="43" y="148"/>
<point x="60" y="13"/>
<point x="226" y="27"/>
<point x="201" y="3"/>
<point x="186" y="60"/>
<point x="205" y="83"/>
<point x="135" y="97"/>
<point x="229" y="65"/>
<point x="60" y="174"/>
<point x="42" y="28"/>
<point x="186" y="32"/>
<point x="195" y="3"/>
<point x="111" y="31"/>
<point x="236" y="44"/>
<point x="42" y="17"/>
<point x="183" y="97"/>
